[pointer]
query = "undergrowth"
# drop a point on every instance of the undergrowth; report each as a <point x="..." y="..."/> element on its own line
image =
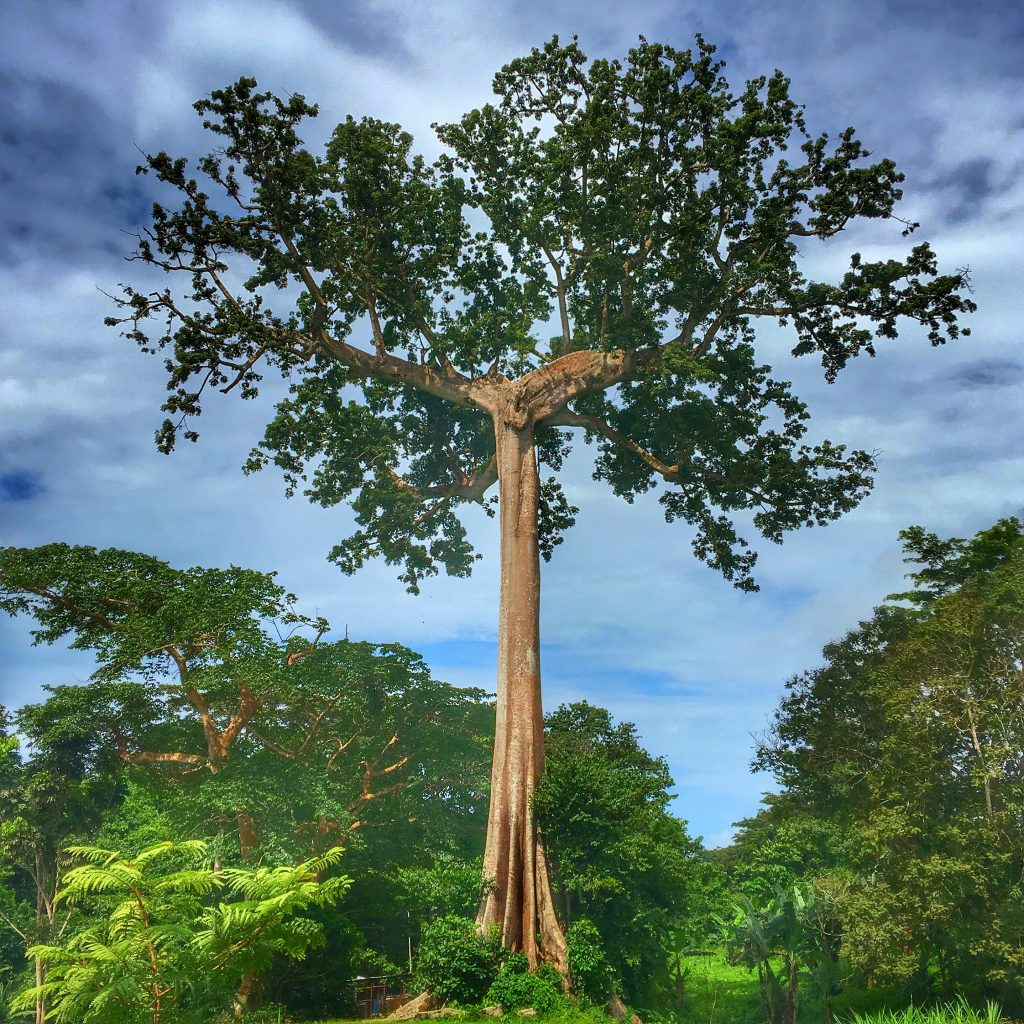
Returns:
<point x="957" y="1012"/>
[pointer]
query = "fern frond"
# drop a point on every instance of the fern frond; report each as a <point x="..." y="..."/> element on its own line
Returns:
<point x="201" y="881"/>
<point x="93" y="854"/>
<point x="193" y="849"/>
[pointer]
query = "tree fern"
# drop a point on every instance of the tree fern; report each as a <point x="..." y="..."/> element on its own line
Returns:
<point x="164" y="933"/>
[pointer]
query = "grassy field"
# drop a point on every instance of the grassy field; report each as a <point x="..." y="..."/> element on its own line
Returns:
<point x="719" y="993"/>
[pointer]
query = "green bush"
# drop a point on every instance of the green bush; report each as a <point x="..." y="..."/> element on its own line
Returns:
<point x="592" y="975"/>
<point x="552" y="974"/>
<point x="456" y="963"/>
<point x="516" y="988"/>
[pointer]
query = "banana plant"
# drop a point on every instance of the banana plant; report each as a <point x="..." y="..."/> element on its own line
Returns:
<point x="784" y="941"/>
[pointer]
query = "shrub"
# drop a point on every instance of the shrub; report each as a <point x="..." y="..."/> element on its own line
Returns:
<point x="516" y="988"/>
<point x="455" y="962"/>
<point x="592" y="975"/>
<point x="552" y="974"/>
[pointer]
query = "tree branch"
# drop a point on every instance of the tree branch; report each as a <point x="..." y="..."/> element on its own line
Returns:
<point x="342" y="747"/>
<point x="68" y="605"/>
<point x="215" y="750"/>
<point x="296" y="656"/>
<point x="247" y="706"/>
<point x="161" y="757"/>
<point x="311" y="731"/>
<point x="671" y="473"/>
<point x="548" y="389"/>
<point x="450" y="385"/>
<point x="367" y="795"/>
<point x="568" y="418"/>
<point x="563" y="310"/>
<point x="469" y="488"/>
<point x="14" y="927"/>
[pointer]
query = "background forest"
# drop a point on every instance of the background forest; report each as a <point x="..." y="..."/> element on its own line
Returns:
<point x="885" y="869"/>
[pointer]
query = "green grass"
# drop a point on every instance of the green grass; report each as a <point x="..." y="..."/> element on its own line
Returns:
<point x="957" y="1012"/>
<point x="570" y="1015"/>
<point x="717" y="992"/>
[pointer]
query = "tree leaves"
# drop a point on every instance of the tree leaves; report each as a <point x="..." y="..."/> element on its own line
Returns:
<point x="903" y="751"/>
<point x="618" y="856"/>
<point x="144" y="964"/>
<point x="633" y="207"/>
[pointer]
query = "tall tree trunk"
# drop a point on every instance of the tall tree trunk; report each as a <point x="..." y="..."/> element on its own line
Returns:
<point x="793" y="980"/>
<point x="521" y="903"/>
<point x="243" y="996"/>
<point x="248" y="846"/>
<point x="42" y="913"/>
<point x="248" y="837"/>
<point x="40" y="1000"/>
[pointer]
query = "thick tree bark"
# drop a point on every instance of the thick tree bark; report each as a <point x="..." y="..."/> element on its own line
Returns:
<point x="243" y="996"/>
<point x="521" y="903"/>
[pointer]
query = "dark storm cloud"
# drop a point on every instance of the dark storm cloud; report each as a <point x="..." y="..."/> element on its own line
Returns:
<point x="21" y="485"/>
<point x="965" y="382"/>
<point x="358" y="26"/>
<point x="68" y="191"/>
<point x="990" y="373"/>
<point x="967" y="188"/>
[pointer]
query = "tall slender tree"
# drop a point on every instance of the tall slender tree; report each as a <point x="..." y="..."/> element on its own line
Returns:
<point x="589" y="254"/>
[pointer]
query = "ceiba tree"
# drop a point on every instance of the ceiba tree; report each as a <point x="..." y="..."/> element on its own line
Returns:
<point x="590" y="253"/>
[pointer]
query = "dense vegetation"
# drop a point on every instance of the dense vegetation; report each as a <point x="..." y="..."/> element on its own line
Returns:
<point x="164" y="814"/>
<point x="900" y="760"/>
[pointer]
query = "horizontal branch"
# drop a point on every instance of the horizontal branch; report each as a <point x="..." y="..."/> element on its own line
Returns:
<point x="672" y="473"/>
<point x="161" y="757"/>
<point x="366" y="796"/>
<point x="467" y="487"/>
<point x="65" y="603"/>
<point x="400" y="763"/>
<point x="470" y="488"/>
<point x="548" y="389"/>
<point x="568" y="418"/>
<point x="449" y="384"/>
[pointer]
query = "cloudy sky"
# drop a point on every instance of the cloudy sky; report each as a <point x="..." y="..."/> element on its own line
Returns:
<point x="630" y="619"/>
